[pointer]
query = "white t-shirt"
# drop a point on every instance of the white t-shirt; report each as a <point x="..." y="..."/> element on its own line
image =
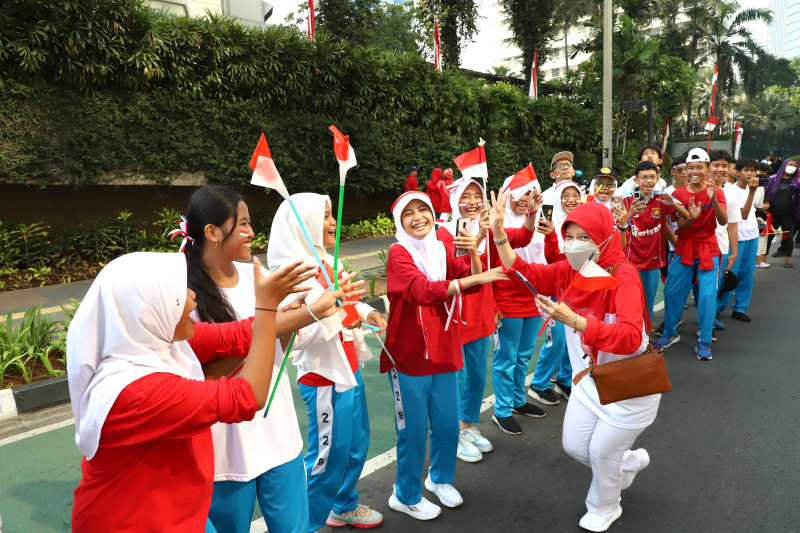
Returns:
<point x="734" y="215"/>
<point x="627" y="187"/>
<point x="626" y="414"/>
<point x="246" y="450"/>
<point x="748" y="229"/>
<point x="673" y="221"/>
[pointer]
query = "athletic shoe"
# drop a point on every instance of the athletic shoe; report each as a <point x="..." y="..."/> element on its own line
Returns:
<point x="594" y="522"/>
<point x="763" y="264"/>
<point x="424" y="510"/>
<point x="563" y="390"/>
<point x="703" y="351"/>
<point x="741" y="316"/>
<point x="528" y="409"/>
<point x="474" y="436"/>
<point x="718" y="325"/>
<point x="713" y="335"/>
<point x="467" y="451"/>
<point x="666" y="341"/>
<point x="447" y="494"/>
<point x="660" y="330"/>
<point x="361" y="517"/>
<point x="547" y="397"/>
<point x="644" y="460"/>
<point x="779" y="253"/>
<point x="507" y="424"/>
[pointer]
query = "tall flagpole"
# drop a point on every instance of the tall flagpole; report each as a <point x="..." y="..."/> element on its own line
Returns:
<point x="607" y="80"/>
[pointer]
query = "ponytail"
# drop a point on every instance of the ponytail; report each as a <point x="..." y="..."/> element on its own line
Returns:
<point x="209" y="205"/>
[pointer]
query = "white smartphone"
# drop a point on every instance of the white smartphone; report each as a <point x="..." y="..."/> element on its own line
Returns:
<point x="462" y="224"/>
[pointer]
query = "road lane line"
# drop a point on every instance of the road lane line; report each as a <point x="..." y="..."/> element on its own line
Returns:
<point x="37" y="431"/>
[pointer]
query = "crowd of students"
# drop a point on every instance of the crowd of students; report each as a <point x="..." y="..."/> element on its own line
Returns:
<point x="172" y="357"/>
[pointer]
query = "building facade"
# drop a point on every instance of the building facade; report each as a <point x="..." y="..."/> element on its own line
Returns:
<point x="249" y="12"/>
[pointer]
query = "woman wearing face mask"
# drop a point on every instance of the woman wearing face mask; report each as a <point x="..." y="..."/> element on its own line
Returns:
<point x="554" y="357"/>
<point x="607" y="325"/>
<point x="783" y="191"/>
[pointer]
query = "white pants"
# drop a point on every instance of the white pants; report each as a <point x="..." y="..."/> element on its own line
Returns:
<point x="604" y="448"/>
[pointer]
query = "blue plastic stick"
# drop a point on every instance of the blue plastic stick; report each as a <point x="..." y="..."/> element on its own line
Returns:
<point x="311" y="244"/>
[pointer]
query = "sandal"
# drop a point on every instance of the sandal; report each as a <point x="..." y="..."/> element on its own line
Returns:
<point x="788" y="264"/>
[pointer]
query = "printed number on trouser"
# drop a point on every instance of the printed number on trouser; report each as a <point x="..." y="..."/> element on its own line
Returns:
<point x="399" y="417"/>
<point x="324" y="428"/>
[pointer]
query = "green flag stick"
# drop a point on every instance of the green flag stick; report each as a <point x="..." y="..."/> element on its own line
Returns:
<point x="280" y="373"/>
<point x="338" y="236"/>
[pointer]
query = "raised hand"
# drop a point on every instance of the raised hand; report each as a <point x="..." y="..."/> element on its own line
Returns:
<point x="376" y="319"/>
<point x="483" y="223"/>
<point x="273" y="289"/>
<point x="535" y="201"/>
<point x="545" y="227"/>
<point x="621" y="214"/>
<point x="497" y="214"/>
<point x="666" y="199"/>
<point x="694" y="209"/>
<point x="637" y="206"/>
<point x="466" y="241"/>
<point x="711" y="188"/>
<point x="492" y="275"/>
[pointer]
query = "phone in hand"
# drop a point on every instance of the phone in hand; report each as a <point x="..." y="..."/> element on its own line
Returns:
<point x="527" y="283"/>
<point x="616" y="201"/>
<point x="462" y="224"/>
<point x="763" y="180"/>
<point x="547" y="212"/>
<point x="638" y="195"/>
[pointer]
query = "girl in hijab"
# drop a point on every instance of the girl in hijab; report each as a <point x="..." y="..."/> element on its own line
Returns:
<point x="783" y="192"/>
<point x="606" y="326"/>
<point x="142" y="410"/>
<point x="553" y="356"/>
<point x="426" y="284"/>
<point x="259" y="459"/>
<point x="328" y="373"/>
<point x="438" y="193"/>
<point x="521" y="320"/>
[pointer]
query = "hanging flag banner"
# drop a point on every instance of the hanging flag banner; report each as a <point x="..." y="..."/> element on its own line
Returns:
<point x="472" y="164"/>
<point x="344" y="153"/>
<point x="666" y="134"/>
<point x="437" y="46"/>
<point x="265" y="174"/>
<point x="533" y="92"/>
<point x="711" y="124"/>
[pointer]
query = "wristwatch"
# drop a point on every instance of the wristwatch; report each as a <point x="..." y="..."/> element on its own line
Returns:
<point x="622" y="228"/>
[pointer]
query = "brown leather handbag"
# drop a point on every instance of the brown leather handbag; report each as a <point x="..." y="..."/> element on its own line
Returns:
<point x="634" y="377"/>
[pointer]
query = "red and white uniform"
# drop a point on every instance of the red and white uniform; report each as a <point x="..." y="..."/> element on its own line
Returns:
<point x="647" y="237"/>
<point x="699" y="241"/>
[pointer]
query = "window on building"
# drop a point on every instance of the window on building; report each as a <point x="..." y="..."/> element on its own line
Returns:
<point x="556" y="73"/>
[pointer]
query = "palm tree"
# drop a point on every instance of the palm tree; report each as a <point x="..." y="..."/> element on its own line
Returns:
<point x="770" y="110"/>
<point x="570" y="12"/>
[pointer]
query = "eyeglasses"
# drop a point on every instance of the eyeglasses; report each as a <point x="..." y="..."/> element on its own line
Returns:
<point x="562" y="166"/>
<point x="649" y="178"/>
<point x="568" y="197"/>
<point x="602" y="185"/>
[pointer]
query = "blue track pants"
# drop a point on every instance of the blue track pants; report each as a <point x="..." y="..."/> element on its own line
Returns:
<point x="510" y="362"/>
<point x="679" y="284"/>
<point x="744" y="268"/>
<point x="472" y="379"/>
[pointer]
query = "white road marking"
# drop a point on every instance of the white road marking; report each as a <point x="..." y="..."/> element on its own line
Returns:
<point x="37" y="431"/>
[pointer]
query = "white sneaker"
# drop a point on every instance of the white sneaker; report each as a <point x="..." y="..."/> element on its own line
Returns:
<point x="594" y="522"/>
<point x="644" y="460"/>
<point x="424" y="510"/>
<point x="446" y="493"/>
<point x="473" y="435"/>
<point x="468" y="452"/>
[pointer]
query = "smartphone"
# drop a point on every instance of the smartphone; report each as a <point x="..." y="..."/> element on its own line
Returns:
<point x="638" y="195"/>
<point x="547" y="212"/>
<point x="763" y="180"/>
<point x="462" y="224"/>
<point x="527" y="283"/>
<point x="616" y="201"/>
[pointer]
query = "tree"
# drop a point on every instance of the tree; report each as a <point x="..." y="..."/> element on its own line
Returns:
<point x="458" y="22"/>
<point x="772" y="110"/>
<point x="531" y="24"/>
<point x="371" y="23"/>
<point x="569" y="12"/>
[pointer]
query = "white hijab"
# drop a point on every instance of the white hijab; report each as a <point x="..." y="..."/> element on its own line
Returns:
<point x="534" y="251"/>
<point x="458" y="188"/>
<point x="428" y="253"/>
<point x="592" y="187"/>
<point x="559" y="215"/>
<point x="287" y="242"/>
<point x="123" y="331"/>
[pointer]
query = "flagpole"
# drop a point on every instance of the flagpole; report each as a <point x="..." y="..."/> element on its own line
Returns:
<point x="311" y="243"/>
<point x="338" y="236"/>
<point x="713" y="97"/>
<point x="280" y="372"/>
<point x="571" y="283"/>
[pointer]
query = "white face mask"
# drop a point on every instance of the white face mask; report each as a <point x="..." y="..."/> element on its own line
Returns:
<point x="790" y="169"/>
<point x="578" y="252"/>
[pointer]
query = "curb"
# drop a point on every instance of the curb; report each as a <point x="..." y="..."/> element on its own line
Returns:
<point x="8" y="407"/>
<point x="36" y="396"/>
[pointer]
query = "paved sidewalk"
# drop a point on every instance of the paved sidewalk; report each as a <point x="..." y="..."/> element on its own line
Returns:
<point x="360" y="254"/>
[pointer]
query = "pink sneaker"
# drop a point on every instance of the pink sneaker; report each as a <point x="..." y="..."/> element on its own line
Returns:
<point x="763" y="264"/>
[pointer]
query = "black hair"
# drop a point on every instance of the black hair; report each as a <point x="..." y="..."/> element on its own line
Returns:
<point x="746" y="162"/>
<point x="719" y="155"/>
<point x="645" y="165"/>
<point x="656" y="149"/>
<point x="763" y="167"/>
<point x="209" y="205"/>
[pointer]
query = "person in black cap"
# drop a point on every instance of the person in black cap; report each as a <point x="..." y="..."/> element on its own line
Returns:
<point x="603" y="186"/>
<point x="411" y="183"/>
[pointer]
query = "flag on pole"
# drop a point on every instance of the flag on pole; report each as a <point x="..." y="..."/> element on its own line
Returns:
<point x="344" y="153"/>
<point x="666" y="134"/>
<point x="437" y="47"/>
<point x="311" y="22"/>
<point x="737" y="145"/>
<point x="715" y="76"/>
<point x="472" y="164"/>
<point x="711" y="124"/>
<point x="265" y="174"/>
<point x="522" y="182"/>
<point x="533" y="92"/>
<point x="593" y="278"/>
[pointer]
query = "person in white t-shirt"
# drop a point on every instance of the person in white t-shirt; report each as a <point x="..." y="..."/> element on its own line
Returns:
<point x="648" y="153"/>
<point x="561" y="169"/>
<point x="749" y="194"/>
<point x="260" y="459"/>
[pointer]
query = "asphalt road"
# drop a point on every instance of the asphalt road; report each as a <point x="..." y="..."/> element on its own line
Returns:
<point x="724" y="447"/>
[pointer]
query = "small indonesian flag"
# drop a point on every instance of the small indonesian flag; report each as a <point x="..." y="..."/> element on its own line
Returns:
<point x="593" y="278"/>
<point x="534" y="89"/>
<point x="344" y="153"/>
<point x="351" y="311"/>
<point x="437" y="47"/>
<point x="264" y="172"/>
<point x="712" y="123"/>
<point x="472" y="164"/>
<point x="522" y="182"/>
<point x="715" y="76"/>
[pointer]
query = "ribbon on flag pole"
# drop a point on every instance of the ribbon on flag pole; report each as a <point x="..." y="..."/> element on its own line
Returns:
<point x="533" y="91"/>
<point x="437" y="46"/>
<point x="710" y="125"/>
<point x="666" y="135"/>
<point x="347" y="160"/>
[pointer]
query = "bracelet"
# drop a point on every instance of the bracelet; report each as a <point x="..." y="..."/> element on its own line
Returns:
<point x="622" y="228"/>
<point x="312" y="314"/>
<point x="265" y="309"/>
<point x="501" y="242"/>
<point x="574" y="320"/>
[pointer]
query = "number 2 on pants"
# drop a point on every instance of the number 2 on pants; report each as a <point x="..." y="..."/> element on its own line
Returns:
<point x="399" y="417"/>
<point x="324" y="428"/>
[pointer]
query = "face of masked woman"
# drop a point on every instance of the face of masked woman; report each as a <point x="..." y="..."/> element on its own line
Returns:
<point x="579" y="247"/>
<point x="791" y="167"/>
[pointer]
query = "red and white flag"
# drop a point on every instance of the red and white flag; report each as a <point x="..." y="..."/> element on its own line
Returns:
<point x="265" y="174"/>
<point x="522" y="182"/>
<point x="715" y="76"/>
<point x="437" y="46"/>
<point x="344" y="153"/>
<point x="666" y="135"/>
<point x="712" y="123"/>
<point x="472" y="164"/>
<point x="312" y="26"/>
<point x="737" y="144"/>
<point x="593" y="278"/>
<point x="533" y="91"/>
